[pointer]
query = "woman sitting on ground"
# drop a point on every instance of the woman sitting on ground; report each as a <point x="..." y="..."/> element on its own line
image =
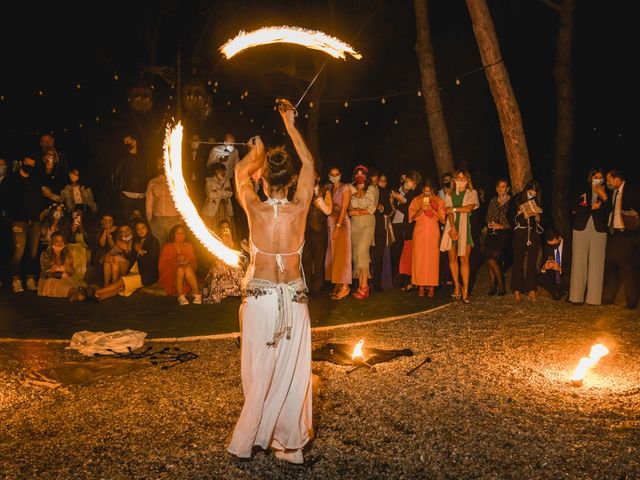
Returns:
<point x="55" y="221"/>
<point x="144" y="272"/>
<point x="177" y="264"/>
<point x="116" y="262"/>
<point x="223" y="280"/>
<point x="56" y="269"/>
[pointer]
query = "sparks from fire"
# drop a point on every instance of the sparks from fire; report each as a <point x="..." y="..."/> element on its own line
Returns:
<point x="313" y="39"/>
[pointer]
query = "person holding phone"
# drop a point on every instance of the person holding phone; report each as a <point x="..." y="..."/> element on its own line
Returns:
<point x="590" y="214"/>
<point x="555" y="273"/>
<point x="56" y="267"/>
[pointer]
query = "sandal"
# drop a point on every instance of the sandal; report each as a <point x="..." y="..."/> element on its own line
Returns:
<point x="431" y="292"/>
<point x="421" y="291"/>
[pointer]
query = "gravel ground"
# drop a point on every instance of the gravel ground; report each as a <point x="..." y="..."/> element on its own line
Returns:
<point x="493" y="403"/>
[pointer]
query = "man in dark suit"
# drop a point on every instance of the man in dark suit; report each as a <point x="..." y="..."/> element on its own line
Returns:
<point x="622" y="263"/>
<point x="555" y="274"/>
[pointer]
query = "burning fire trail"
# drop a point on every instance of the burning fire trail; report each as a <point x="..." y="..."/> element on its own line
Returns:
<point x="313" y="39"/>
<point x="175" y="179"/>
<point x="597" y="352"/>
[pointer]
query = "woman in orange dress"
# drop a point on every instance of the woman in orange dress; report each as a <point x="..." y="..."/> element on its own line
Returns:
<point x="178" y="266"/>
<point x="427" y="211"/>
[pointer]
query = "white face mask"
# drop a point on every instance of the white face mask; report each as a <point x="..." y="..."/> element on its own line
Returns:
<point x="530" y="196"/>
<point x="461" y="184"/>
<point x="228" y="148"/>
<point x="597" y="181"/>
<point x="127" y="238"/>
<point x="57" y="215"/>
<point x="316" y="189"/>
<point x="334" y="178"/>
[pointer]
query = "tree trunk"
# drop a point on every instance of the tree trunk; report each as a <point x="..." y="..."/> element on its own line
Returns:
<point x="515" y="142"/>
<point x="565" y="122"/>
<point x="431" y="92"/>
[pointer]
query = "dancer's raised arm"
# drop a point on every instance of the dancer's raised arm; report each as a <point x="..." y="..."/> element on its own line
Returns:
<point x="246" y="168"/>
<point x="304" y="192"/>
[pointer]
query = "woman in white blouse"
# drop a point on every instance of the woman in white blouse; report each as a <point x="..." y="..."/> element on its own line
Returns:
<point x="217" y="207"/>
<point x="364" y="201"/>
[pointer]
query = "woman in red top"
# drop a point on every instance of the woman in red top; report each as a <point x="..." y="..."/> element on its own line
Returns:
<point x="177" y="264"/>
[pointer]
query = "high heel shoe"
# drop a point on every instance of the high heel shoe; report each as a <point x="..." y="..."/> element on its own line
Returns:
<point x="456" y="296"/>
<point x="421" y="291"/>
<point x="362" y="293"/>
<point x="465" y="295"/>
<point x="341" y="294"/>
<point x="431" y="292"/>
<point x="408" y="287"/>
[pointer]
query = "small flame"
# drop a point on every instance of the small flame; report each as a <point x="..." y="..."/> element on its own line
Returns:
<point x="180" y="194"/>
<point x="597" y="352"/>
<point x="313" y="39"/>
<point x="357" y="351"/>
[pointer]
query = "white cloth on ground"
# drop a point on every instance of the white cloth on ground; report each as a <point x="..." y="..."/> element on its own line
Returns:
<point x="89" y="343"/>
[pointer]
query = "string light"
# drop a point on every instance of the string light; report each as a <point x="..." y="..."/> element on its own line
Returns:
<point x="113" y="110"/>
<point x="116" y="77"/>
<point x="395" y="122"/>
<point x="246" y="93"/>
<point x="78" y="86"/>
<point x="337" y="120"/>
<point x="209" y="83"/>
<point x="458" y="82"/>
<point x="306" y="115"/>
<point x="1" y="98"/>
<point x="383" y="101"/>
<point x="346" y="104"/>
<point x="310" y="104"/>
<point x="79" y="125"/>
<point x="366" y="123"/>
<point x="215" y="84"/>
<point x="40" y="92"/>
<point x="419" y="93"/>
<point x="97" y="119"/>
<point x="228" y="103"/>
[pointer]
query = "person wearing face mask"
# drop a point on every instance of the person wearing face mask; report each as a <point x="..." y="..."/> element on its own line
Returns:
<point x="498" y="237"/>
<point x="383" y="238"/>
<point x="160" y="208"/>
<point x="526" y="212"/>
<point x="590" y="214"/>
<point x="178" y="266"/>
<point x="24" y="208"/>
<point x="622" y="259"/>
<point x="131" y="177"/>
<point x="362" y="207"/>
<point x="227" y="154"/>
<point x="77" y="196"/>
<point x="217" y="206"/>
<point x="446" y="183"/>
<point x="55" y="221"/>
<point x="56" y="269"/>
<point x="403" y="229"/>
<point x="223" y="280"/>
<point x="144" y="272"/>
<point x="116" y="262"/>
<point x="456" y="238"/>
<point x="337" y="266"/>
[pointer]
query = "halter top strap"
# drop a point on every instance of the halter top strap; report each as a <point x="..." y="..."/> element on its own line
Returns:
<point x="276" y="203"/>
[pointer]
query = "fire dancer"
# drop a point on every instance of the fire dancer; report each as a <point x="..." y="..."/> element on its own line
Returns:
<point x="274" y="317"/>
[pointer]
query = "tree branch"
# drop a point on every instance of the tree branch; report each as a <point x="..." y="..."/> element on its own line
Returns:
<point x="552" y="5"/>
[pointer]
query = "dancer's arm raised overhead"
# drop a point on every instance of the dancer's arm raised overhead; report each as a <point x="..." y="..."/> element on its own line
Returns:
<point x="304" y="192"/>
<point x="246" y="168"/>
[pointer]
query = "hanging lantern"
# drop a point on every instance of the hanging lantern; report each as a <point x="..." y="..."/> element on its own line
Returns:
<point x="195" y="99"/>
<point x="141" y="97"/>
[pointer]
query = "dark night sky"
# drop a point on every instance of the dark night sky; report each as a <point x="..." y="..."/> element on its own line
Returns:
<point x="56" y="46"/>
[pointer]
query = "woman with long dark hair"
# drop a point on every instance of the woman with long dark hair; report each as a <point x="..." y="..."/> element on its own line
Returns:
<point x="527" y="231"/>
<point x="498" y="237"/>
<point x="363" y="205"/>
<point x="591" y="213"/>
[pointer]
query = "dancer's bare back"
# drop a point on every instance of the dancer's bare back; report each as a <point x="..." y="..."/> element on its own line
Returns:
<point x="282" y="234"/>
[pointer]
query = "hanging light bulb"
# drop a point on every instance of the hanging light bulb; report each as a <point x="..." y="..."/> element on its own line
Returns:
<point x="79" y="125"/>
<point x="395" y="122"/>
<point x="337" y="120"/>
<point x="170" y="97"/>
<point x="215" y="84"/>
<point x="366" y="123"/>
<point x="274" y="130"/>
<point x="215" y="90"/>
<point x="310" y="104"/>
<point x="228" y="103"/>
<point x="97" y="119"/>
<point x="78" y="86"/>
<point x="346" y="104"/>
<point x="251" y="120"/>
<point x="113" y="110"/>
<point x="458" y="81"/>
<point x="246" y="93"/>
<point x="419" y="93"/>
<point x="241" y="112"/>
<point x="242" y="97"/>
<point x="40" y="92"/>
<point x="383" y="101"/>
<point x="306" y="115"/>
<point x="1" y="98"/>
<point x="209" y="83"/>
<point x="116" y="77"/>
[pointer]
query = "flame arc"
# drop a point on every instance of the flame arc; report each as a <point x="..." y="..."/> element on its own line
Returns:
<point x="313" y="39"/>
<point x="180" y="194"/>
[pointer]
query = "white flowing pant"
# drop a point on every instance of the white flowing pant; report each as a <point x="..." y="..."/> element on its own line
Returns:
<point x="276" y="380"/>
